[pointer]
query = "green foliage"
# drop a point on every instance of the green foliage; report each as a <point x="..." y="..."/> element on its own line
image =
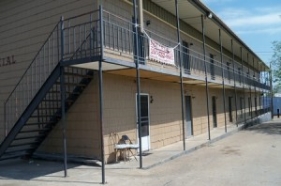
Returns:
<point x="276" y="66"/>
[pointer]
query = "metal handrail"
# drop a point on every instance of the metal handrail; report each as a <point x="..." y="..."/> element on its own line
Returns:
<point x="32" y="79"/>
<point x="112" y="28"/>
<point x="48" y="56"/>
<point x="81" y="15"/>
<point x="32" y="61"/>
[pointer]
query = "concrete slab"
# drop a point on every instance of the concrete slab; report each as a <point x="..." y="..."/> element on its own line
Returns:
<point x="37" y="172"/>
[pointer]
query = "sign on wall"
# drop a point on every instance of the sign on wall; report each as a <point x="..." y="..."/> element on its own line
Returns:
<point x="9" y="60"/>
<point x="161" y="53"/>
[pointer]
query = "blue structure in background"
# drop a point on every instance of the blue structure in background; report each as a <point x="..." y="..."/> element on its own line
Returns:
<point x="276" y="105"/>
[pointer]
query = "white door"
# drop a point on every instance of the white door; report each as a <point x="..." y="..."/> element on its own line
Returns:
<point x="145" y="129"/>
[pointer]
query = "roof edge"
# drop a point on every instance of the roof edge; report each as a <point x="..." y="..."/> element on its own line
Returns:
<point x="205" y="10"/>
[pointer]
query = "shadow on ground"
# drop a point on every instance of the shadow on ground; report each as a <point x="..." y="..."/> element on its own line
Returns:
<point x="270" y="128"/>
<point x="28" y="169"/>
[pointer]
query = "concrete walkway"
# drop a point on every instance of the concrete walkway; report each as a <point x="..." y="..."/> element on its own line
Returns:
<point x="169" y="152"/>
<point x="36" y="172"/>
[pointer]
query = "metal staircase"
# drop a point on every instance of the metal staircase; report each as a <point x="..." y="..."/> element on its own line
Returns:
<point x="34" y="107"/>
<point x="45" y="112"/>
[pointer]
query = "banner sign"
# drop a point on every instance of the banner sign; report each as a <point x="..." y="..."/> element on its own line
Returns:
<point x="161" y="53"/>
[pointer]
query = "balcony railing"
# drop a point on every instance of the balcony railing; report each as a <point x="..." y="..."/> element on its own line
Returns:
<point x="119" y="37"/>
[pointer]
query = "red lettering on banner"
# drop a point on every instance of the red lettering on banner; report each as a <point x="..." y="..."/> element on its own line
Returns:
<point x="161" y="53"/>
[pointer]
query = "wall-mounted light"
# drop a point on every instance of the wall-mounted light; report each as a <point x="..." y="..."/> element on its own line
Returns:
<point x="151" y="99"/>
<point x="209" y="15"/>
<point x="190" y="44"/>
<point x="147" y="22"/>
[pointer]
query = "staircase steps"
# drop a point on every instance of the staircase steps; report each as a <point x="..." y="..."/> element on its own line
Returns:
<point x="40" y="113"/>
<point x="25" y="138"/>
<point x="25" y="144"/>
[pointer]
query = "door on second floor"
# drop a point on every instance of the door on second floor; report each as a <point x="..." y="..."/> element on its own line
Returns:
<point x="212" y="67"/>
<point x="185" y="57"/>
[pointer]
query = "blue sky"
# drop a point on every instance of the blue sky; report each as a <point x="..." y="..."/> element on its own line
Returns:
<point x="256" y="22"/>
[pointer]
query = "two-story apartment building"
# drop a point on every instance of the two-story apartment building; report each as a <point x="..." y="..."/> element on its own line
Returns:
<point x="85" y="71"/>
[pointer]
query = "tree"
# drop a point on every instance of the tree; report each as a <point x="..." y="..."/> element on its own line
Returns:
<point x="276" y="66"/>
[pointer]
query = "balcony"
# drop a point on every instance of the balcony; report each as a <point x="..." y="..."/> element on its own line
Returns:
<point x="110" y="38"/>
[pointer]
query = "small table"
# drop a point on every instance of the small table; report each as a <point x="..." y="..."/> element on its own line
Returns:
<point x="124" y="150"/>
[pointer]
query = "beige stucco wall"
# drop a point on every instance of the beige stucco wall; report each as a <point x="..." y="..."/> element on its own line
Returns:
<point x="25" y="25"/>
<point x="120" y="115"/>
<point x="82" y="126"/>
<point x="165" y="111"/>
<point x="120" y="111"/>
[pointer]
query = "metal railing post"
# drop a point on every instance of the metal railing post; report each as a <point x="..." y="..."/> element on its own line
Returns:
<point x="101" y="32"/>
<point x="181" y="78"/>
<point x="255" y="87"/>
<point x="263" y="94"/>
<point x="91" y="35"/>
<point x="206" y="76"/>
<point x="243" y="81"/>
<point x="62" y="89"/>
<point x="223" y="86"/>
<point x="5" y="120"/>
<point x="234" y="79"/>
<point x="136" y="59"/>
<point x="250" y="89"/>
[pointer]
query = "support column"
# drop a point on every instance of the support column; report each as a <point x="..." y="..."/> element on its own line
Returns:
<point x="250" y="89"/>
<point x="101" y="119"/>
<point x="223" y="86"/>
<point x="62" y="90"/>
<point x="136" y="59"/>
<point x="234" y="79"/>
<point x="206" y="75"/>
<point x="267" y="95"/>
<point x="271" y="92"/>
<point x="101" y="96"/>
<point x="181" y="78"/>
<point x="255" y="87"/>
<point x="243" y="108"/>
<point x="263" y="93"/>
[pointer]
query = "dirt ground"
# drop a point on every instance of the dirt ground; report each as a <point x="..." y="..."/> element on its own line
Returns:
<point x="249" y="157"/>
